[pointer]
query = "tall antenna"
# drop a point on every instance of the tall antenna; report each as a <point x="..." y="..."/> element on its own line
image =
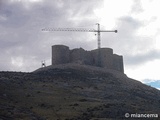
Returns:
<point x="98" y="31"/>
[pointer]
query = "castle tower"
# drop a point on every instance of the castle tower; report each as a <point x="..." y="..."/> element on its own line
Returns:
<point x="106" y="57"/>
<point x="60" y="54"/>
<point x="118" y="63"/>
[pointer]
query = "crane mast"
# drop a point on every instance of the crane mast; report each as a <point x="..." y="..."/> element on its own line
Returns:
<point x="98" y="31"/>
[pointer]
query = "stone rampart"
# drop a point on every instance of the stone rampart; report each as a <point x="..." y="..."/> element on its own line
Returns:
<point x="62" y="54"/>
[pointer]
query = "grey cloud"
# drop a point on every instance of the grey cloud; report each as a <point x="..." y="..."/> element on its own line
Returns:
<point x="142" y="58"/>
<point x="14" y="14"/>
<point x="21" y="35"/>
<point x="127" y="43"/>
<point x="126" y="39"/>
<point x="131" y="43"/>
<point x="137" y="7"/>
<point x="128" y="26"/>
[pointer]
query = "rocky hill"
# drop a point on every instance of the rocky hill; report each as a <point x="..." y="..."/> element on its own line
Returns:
<point x="74" y="92"/>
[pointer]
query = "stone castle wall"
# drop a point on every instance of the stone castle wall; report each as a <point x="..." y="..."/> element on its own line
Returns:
<point x="62" y="54"/>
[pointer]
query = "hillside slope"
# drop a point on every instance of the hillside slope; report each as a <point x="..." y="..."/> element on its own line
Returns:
<point x="74" y="92"/>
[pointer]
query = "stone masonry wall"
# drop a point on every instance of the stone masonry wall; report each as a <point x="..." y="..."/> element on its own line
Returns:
<point x="62" y="54"/>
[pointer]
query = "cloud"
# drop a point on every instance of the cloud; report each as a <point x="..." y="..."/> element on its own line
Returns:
<point x="24" y="45"/>
<point x="136" y="48"/>
<point x="142" y="58"/>
<point x="137" y="7"/>
<point x="14" y="14"/>
<point x="127" y="37"/>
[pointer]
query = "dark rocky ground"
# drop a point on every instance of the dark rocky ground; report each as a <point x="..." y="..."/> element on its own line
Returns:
<point x="74" y="92"/>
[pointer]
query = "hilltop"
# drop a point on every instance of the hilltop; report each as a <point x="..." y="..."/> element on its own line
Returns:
<point x="74" y="92"/>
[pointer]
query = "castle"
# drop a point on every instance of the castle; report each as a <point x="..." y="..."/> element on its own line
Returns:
<point x="61" y="54"/>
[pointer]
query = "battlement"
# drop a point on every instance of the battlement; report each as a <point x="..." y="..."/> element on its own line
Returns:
<point x="61" y="54"/>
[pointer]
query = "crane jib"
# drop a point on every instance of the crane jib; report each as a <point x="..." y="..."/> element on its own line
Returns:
<point x="77" y="30"/>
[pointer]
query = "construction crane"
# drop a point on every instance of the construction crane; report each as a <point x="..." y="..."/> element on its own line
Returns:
<point x="98" y="31"/>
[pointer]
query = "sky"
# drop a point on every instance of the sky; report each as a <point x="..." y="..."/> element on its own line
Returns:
<point x="24" y="46"/>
